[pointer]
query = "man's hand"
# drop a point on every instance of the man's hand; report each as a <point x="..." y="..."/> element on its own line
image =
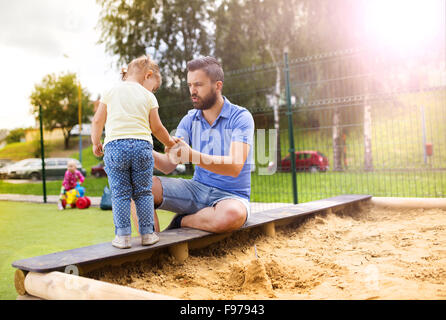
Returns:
<point x="172" y="154"/>
<point x="180" y="153"/>
<point x="98" y="150"/>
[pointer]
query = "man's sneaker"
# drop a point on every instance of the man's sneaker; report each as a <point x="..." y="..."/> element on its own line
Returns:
<point x="122" y="242"/>
<point x="149" y="238"/>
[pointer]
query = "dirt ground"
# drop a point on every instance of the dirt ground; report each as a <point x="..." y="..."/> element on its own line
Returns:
<point x="376" y="253"/>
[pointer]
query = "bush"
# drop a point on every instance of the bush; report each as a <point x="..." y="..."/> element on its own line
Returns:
<point x="15" y="135"/>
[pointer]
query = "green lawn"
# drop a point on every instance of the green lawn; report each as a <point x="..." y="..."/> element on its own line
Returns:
<point x="316" y="186"/>
<point x="93" y="187"/>
<point x="311" y="186"/>
<point x="29" y="230"/>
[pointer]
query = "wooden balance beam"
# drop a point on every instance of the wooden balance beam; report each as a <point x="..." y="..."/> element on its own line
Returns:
<point x="62" y="286"/>
<point x="55" y="268"/>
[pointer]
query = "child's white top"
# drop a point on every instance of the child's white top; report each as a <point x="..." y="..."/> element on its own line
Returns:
<point x="128" y="107"/>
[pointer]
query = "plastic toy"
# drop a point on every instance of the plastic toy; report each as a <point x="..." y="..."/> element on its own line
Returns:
<point x="76" y="198"/>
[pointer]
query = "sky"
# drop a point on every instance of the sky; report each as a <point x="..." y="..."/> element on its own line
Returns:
<point x="36" y="37"/>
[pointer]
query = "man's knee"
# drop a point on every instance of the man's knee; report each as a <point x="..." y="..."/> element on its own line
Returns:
<point x="231" y="215"/>
<point x="157" y="191"/>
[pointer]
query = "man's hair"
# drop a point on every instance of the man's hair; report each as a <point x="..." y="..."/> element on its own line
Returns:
<point x="209" y="65"/>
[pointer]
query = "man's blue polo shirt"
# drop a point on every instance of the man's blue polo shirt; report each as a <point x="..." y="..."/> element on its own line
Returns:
<point x="234" y="123"/>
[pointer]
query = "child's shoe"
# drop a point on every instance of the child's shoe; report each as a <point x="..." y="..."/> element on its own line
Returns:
<point x="122" y="242"/>
<point x="60" y="206"/>
<point x="149" y="238"/>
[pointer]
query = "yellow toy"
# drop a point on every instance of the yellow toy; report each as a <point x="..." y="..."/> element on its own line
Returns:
<point x="76" y="198"/>
<point x="71" y="197"/>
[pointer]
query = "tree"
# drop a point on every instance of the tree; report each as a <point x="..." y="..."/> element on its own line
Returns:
<point x="15" y="135"/>
<point x="58" y="96"/>
<point x="171" y="31"/>
<point x="263" y="31"/>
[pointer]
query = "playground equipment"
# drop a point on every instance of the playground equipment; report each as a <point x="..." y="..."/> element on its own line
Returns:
<point x="76" y="198"/>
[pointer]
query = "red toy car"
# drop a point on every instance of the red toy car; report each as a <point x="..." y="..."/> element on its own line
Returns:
<point x="312" y="161"/>
<point x="98" y="170"/>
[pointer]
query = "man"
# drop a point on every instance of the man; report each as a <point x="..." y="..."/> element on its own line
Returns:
<point x="221" y="135"/>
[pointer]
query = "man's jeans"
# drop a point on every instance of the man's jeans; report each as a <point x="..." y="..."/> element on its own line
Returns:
<point x="129" y="167"/>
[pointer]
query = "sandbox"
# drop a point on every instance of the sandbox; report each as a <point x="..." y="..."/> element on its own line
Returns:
<point x="379" y="248"/>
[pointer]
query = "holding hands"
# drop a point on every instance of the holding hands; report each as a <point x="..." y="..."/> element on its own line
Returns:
<point x="181" y="152"/>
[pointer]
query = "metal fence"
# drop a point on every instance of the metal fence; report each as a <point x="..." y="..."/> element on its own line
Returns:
<point x="379" y="121"/>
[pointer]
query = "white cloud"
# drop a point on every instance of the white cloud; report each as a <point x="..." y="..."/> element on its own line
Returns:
<point x="34" y="37"/>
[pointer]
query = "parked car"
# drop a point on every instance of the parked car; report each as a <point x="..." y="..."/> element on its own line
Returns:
<point x="32" y="169"/>
<point x="5" y="162"/>
<point x="312" y="161"/>
<point x="98" y="170"/>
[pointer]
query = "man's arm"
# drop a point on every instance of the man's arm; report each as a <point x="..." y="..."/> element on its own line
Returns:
<point x="230" y="165"/>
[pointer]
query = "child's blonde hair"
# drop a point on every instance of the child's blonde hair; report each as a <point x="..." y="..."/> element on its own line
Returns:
<point x="142" y="64"/>
<point x="72" y="163"/>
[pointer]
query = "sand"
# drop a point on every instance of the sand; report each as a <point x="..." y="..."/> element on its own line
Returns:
<point x="374" y="253"/>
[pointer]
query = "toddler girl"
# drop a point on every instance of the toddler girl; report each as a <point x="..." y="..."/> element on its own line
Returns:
<point x="130" y="113"/>
<point x="72" y="176"/>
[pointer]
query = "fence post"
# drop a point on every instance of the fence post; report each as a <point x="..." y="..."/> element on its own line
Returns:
<point x="42" y="153"/>
<point x="290" y="129"/>
<point x="423" y="128"/>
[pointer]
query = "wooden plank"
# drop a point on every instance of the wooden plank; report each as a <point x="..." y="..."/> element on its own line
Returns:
<point x="105" y="251"/>
<point x="302" y="209"/>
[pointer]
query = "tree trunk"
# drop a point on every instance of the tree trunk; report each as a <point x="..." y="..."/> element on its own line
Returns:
<point x="66" y="137"/>
<point x="337" y="140"/>
<point x="368" y="159"/>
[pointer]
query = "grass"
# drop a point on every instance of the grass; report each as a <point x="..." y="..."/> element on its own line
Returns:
<point x="93" y="186"/>
<point x="53" y="148"/>
<point x="396" y="133"/>
<point x="29" y="230"/>
<point x="315" y="186"/>
<point x="311" y="186"/>
<point x="18" y="151"/>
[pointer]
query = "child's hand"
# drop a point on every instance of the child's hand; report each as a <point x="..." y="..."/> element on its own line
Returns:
<point x="97" y="150"/>
<point x="172" y="142"/>
<point x="177" y="139"/>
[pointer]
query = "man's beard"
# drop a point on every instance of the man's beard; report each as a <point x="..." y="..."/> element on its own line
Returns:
<point x="205" y="103"/>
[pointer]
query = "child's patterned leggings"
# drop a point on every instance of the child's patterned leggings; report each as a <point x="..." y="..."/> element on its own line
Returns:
<point x="129" y="167"/>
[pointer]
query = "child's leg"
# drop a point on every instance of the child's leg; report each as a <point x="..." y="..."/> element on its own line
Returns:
<point x="62" y="193"/>
<point x="117" y="165"/>
<point x="61" y="198"/>
<point x="142" y="171"/>
<point x="135" y="217"/>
